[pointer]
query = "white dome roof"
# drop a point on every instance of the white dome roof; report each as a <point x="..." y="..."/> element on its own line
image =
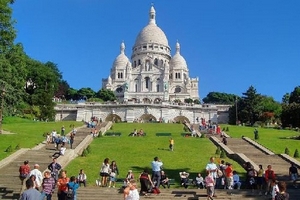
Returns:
<point x="151" y="33"/>
<point x="121" y="60"/>
<point x="177" y="61"/>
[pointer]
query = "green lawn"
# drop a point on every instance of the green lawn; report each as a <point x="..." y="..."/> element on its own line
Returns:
<point x="274" y="139"/>
<point x="136" y="153"/>
<point x="27" y="133"/>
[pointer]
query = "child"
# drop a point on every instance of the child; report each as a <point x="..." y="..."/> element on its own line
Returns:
<point x="129" y="177"/>
<point x="210" y="185"/>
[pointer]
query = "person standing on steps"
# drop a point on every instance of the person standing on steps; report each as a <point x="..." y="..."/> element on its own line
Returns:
<point x="211" y="168"/>
<point x="293" y="172"/>
<point x="30" y="193"/>
<point x="54" y="167"/>
<point x="24" y="171"/>
<point x="269" y="177"/>
<point x="156" y="171"/>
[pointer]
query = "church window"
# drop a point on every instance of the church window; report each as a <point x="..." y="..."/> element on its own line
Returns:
<point x="177" y="89"/>
<point x="162" y="62"/>
<point x="171" y="76"/>
<point x="139" y="62"/>
<point x="121" y="75"/>
<point x="134" y="64"/>
<point x="157" y="88"/>
<point x="161" y="48"/>
<point x="144" y="47"/>
<point x="156" y="61"/>
<point x="136" y="87"/>
<point x="147" y="82"/>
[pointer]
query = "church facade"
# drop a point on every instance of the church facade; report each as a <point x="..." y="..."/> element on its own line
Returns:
<point x="152" y="74"/>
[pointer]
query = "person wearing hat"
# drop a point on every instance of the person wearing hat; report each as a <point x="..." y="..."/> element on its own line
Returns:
<point x="38" y="174"/>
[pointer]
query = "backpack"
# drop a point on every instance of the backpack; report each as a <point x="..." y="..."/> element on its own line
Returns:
<point x="70" y="193"/>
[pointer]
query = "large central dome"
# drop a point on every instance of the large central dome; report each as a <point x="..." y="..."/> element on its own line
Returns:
<point x="151" y="33"/>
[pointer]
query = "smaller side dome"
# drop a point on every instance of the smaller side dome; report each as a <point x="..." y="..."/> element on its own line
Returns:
<point x="121" y="60"/>
<point x="177" y="61"/>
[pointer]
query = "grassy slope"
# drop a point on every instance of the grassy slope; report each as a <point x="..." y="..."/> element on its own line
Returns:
<point x="27" y="133"/>
<point x="136" y="153"/>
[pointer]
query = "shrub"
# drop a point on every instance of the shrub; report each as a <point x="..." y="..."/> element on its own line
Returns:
<point x="88" y="149"/>
<point x="202" y="135"/>
<point x="296" y="154"/>
<point x="17" y="147"/>
<point x="8" y="149"/>
<point x="223" y="129"/>
<point x="218" y="151"/>
<point x="185" y="129"/>
<point x="287" y="151"/>
<point x="84" y="153"/>
<point x="223" y="154"/>
<point x="227" y="129"/>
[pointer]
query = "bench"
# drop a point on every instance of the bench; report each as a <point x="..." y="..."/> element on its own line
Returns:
<point x="163" y="134"/>
<point x="186" y="134"/>
<point x="112" y="134"/>
<point x="172" y="181"/>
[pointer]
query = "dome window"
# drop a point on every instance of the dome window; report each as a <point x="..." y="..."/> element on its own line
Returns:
<point x="177" y="75"/>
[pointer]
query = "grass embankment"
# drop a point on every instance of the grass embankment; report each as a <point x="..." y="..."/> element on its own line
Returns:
<point x="274" y="139"/>
<point x="135" y="153"/>
<point x="27" y="134"/>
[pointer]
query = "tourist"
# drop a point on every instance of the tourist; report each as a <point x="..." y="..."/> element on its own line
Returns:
<point x="210" y="185"/>
<point x="282" y="194"/>
<point x="293" y="172"/>
<point x="164" y="180"/>
<point x="38" y="174"/>
<point x="236" y="181"/>
<point x="171" y="144"/>
<point x="229" y="176"/>
<point x="104" y="172"/>
<point x="62" y="185"/>
<point x="62" y="131"/>
<point x="269" y="177"/>
<point x="48" y="186"/>
<point x="131" y="192"/>
<point x="24" y="171"/>
<point x="30" y="193"/>
<point x="54" y="167"/>
<point x="82" y="178"/>
<point x="199" y="181"/>
<point x="114" y="172"/>
<point x="274" y="188"/>
<point x="156" y="168"/>
<point x="53" y="135"/>
<point x="260" y="179"/>
<point x="72" y="188"/>
<point x="60" y="153"/>
<point x="212" y="168"/>
<point x="128" y="177"/>
<point x="184" y="179"/>
<point x="146" y="182"/>
<point x="72" y="136"/>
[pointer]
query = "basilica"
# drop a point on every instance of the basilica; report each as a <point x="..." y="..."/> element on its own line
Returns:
<point x="152" y="74"/>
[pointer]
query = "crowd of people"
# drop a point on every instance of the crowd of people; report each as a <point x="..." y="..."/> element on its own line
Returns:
<point x="37" y="185"/>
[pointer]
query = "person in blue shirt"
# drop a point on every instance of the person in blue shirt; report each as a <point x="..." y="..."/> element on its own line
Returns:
<point x="156" y="171"/>
<point x="73" y="185"/>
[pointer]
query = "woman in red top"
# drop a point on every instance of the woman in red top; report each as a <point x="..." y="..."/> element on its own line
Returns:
<point x="62" y="185"/>
<point x="269" y="176"/>
<point x="24" y="171"/>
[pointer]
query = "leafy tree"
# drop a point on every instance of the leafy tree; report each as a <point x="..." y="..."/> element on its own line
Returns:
<point x="106" y="95"/>
<point x="86" y="93"/>
<point x="295" y="95"/>
<point x="72" y="94"/>
<point x="286" y="98"/>
<point x="197" y="101"/>
<point x="220" y="98"/>
<point x="188" y="100"/>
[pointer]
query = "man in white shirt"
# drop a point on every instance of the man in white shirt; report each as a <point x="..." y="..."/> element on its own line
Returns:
<point x="212" y="168"/>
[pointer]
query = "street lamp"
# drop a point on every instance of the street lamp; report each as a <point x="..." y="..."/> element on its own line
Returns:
<point x="1" y="111"/>
<point x="29" y="87"/>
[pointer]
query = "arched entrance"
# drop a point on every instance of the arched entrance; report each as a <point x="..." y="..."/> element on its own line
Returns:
<point x="148" y="118"/>
<point x="147" y="100"/>
<point x="157" y="101"/>
<point x="113" y="118"/>
<point x="181" y="119"/>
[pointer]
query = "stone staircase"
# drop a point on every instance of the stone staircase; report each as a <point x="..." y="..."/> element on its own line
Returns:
<point x="279" y="165"/>
<point x="10" y="184"/>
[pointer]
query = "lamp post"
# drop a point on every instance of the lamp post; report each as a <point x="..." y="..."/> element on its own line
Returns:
<point x="1" y="111"/>
<point x="236" y="112"/>
<point x="29" y="87"/>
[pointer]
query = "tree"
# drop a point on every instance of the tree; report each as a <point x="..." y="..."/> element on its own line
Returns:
<point x="106" y="95"/>
<point x="86" y="93"/>
<point x="286" y="98"/>
<point x="219" y="98"/>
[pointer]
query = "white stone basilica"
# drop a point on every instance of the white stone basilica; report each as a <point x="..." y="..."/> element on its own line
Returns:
<point x="152" y="75"/>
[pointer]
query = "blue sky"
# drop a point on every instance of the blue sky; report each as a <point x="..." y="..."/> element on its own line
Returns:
<point x="229" y="45"/>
